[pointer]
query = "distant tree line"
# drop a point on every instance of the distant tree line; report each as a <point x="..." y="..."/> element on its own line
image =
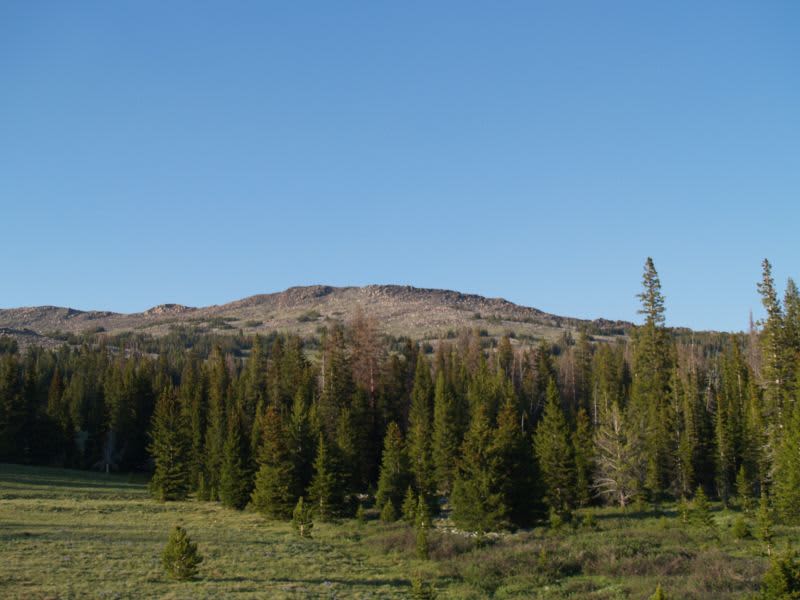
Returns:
<point x="505" y="435"/>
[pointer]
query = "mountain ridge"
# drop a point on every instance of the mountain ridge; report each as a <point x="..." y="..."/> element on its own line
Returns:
<point x="422" y="313"/>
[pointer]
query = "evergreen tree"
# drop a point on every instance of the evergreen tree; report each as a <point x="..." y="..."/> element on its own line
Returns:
<point x="515" y="471"/>
<point x="419" y="429"/>
<point x="234" y="484"/>
<point x="659" y="594"/>
<point x="446" y="438"/>
<point x="180" y="557"/>
<point x="477" y="501"/>
<point x="782" y="579"/>
<point x="651" y="374"/>
<point x="170" y="448"/>
<point x="764" y="520"/>
<point x="409" y="508"/>
<point x="395" y="476"/>
<point x="744" y="490"/>
<point x="302" y="519"/>
<point x="786" y="484"/>
<point x="422" y="525"/>
<point x="388" y="512"/>
<point x="701" y="510"/>
<point x="583" y="447"/>
<point x="213" y="446"/>
<point x="555" y="455"/>
<point x="325" y="491"/>
<point x="273" y="493"/>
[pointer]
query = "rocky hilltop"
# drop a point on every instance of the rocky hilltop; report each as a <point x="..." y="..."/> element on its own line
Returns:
<point x="399" y="310"/>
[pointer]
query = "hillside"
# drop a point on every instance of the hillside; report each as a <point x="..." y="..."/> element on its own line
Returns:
<point x="398" y="310"/>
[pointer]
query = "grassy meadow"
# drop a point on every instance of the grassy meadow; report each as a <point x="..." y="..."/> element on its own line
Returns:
<point x="72" y="534"/>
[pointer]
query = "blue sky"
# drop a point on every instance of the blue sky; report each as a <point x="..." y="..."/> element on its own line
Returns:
<point x="199" y="152"/>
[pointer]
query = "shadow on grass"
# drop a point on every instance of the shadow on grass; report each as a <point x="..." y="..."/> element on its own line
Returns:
<point x="391" y="581"/>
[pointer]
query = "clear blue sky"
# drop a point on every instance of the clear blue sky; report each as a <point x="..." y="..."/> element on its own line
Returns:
<point x="199" y="152"/>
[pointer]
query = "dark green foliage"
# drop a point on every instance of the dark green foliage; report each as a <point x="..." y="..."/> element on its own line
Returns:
<point x="422" y="525"/>
<point x="583" y="448"/>
<point x="409" y="508"/>
<point x="234" y="484"/>
<point x="302" y="519"/>
<point x="515" y="468"/>
<point x="786" y="491"/>
<point x="477" y="501"/>
<point x="395" y="476"/>
<point x="273" y="492"/>
<point x="446" y="435"/>
<point x="180" y="557"/>
<point x="782" y="579"/>
<point x="326" y="490"/>
<point x="741" y="529"/>
<point x="170" y="448"/>
<point x="701" y="510"/>
<point x="744" y="490"/>
<point x="421" y="589"/>
<point x="388" y="512"/>
<point x="420" y="430"/>
<point x="554" y="452"/>
<point x="764" y="520"/>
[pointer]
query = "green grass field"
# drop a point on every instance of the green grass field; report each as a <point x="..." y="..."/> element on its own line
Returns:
<point x="72" y="534"/>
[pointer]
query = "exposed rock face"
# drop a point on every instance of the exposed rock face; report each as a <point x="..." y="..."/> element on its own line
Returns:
<point x="168" y="309"/>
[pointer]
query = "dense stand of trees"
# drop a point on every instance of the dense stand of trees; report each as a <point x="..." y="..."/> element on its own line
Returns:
<point x="506" y="434"/>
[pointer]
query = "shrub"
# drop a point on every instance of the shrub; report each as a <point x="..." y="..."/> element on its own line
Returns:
<point x="180" y="557"/>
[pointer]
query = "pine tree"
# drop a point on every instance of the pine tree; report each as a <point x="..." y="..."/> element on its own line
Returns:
<point x="651" y="374"/>
<point x="446" y="438"/>
<point x="659" y="594"/>
<point x="395" y="476"/>
<point x="180" y="557"/>
<point x="301" y="442"/>
<point x="170" y="448"/>
<point x="325" y="491"/>
<point x="273" y="492"/>
<point x="515" y="476"/>
<point x="422" y="525"/>
<point x="388" y="512"/>
<point x="555" y="455"/>
<point x="419" y="429"/>
<point x="234" y="483"/>
<point x="764" y="520"/>
<point x="744" y="490"/>
<point x="409" y="508"/>
<point x="701" y="510"/>
<point x="477" y="501"/>
<point x="782" y="579"/>
<point x="213" y="446"/>
<point x="583" y="446"/>
<point x="302" y="519"/>
<point x="786" y="480"/>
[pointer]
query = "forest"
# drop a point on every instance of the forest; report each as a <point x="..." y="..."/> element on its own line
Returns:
<point x="494" y="435"/>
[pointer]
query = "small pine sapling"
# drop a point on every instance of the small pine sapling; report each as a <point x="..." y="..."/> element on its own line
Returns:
<point x="302" y="520"/>
<point x="180" y="557"/>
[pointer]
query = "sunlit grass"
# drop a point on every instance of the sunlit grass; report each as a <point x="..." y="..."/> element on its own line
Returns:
<point x="73" y="534"/>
